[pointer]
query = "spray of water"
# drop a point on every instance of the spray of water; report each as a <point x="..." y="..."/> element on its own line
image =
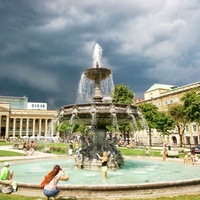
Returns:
<point x="85" y="90"/>
<point x="97" y="55"/>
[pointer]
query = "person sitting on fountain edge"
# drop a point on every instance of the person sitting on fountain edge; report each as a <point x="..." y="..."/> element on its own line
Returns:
<point x="6" y="173"/>
<point x="104" y="162"/>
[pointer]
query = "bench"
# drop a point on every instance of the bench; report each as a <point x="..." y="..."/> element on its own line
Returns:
<point x="171" y="153"/>
<point x="47" y="150"/>
<point x="15" y="146"/>
<point x="20" y="147"/>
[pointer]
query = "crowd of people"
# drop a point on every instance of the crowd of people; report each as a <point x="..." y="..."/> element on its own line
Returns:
<point x="29" y="149"/>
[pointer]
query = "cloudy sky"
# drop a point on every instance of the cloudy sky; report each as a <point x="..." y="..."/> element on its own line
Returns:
<point x="46" y="44"/>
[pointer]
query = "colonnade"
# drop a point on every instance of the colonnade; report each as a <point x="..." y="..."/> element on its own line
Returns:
<point x="19" y="126"/>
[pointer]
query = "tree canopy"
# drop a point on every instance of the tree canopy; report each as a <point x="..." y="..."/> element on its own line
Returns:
<point x="177" y="113"/>
<point x="123" y="94"/>
<point x="191" y="103"/>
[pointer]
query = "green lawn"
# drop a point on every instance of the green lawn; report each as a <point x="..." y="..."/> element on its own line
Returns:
<point x="9" y="153"/>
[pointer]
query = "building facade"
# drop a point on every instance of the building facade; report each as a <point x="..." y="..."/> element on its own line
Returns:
<point x="162" y="96"/>
<point x="18" y="121"/>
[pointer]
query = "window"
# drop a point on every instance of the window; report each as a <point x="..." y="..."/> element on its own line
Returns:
<point x="187" y="140"/>
<point x="158" y="104"/>
<point x="194" y="127"/>
<point x="186" y="128"/>
<point x="176" y="100"/>
<point x="195" y="139"/>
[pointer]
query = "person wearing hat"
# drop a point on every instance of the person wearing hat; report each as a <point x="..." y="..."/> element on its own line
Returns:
<point x="6" y="173"/>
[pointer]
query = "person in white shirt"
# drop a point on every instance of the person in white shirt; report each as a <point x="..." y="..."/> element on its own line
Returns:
<point x="51" y="181"/>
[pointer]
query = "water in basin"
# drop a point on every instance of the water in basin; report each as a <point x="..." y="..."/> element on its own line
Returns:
<point x="134" y="171"/>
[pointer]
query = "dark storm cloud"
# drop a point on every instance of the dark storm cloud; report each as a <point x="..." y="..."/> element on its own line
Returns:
<point x="46" y="45"/>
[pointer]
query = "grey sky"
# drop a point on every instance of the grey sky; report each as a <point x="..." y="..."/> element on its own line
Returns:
<point x="46" y="45"/>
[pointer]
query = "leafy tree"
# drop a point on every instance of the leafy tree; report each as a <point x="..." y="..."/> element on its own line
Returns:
<point x="177" y="113"/>
<point x="150" y="112"/>
<point x="123" y="94"/>
<point x="191" y="103"/>
<point x="164" y="123"/>
<point x="63" y="127"/>
<point x="85" y="130"/>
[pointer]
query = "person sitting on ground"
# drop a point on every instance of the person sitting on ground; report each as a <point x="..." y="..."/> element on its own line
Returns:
<point x="193" y="157"/>
<point x="6" y="173"/>
<point x="52" y="179"/>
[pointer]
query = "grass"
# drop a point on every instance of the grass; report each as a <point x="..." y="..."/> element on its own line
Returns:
<point x="138" y="152"/>
<point x="9" y="153"/>
<point x="16" y="197"/>
<point x="5" y="143"/>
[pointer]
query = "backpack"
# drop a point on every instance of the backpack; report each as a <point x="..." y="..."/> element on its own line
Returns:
<point x="7" y="190"/>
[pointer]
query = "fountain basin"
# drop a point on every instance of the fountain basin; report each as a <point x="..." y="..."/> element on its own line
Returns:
<point x="134" y="172"/>
<point x="105" y="188"/>
<point x="97" y="74"/>
<point x="103" y="113"/>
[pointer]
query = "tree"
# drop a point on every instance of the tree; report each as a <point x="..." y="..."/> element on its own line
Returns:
<point x="164" y="123"/>
<point x="150" y="112"/>
<point x="64" y="127"/>
<point x="123" y="94"/>
<point x="177" y="113"/>
<point x="191" y="103"/>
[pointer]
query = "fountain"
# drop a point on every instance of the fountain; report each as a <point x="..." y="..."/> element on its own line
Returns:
<point x="97" y="114"/>
<point x="138" y="178"/>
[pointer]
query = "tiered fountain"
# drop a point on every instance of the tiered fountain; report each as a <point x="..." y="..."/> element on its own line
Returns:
<point x="98" y="114"/>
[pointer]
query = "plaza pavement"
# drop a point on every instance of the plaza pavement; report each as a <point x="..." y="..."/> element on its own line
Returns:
<point x="36" y="154"/>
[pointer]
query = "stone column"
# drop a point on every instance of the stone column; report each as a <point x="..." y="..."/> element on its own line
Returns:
<point x="14" y="126"/>
<point x="52" y="127"/>
<point x="33" y="127"/>
<point x="27" y="127"/>
<point x="40" y="124"/>
<point x="46" y="127"/>
<point x="7" y="126"/>
<point x="20" y="127"/>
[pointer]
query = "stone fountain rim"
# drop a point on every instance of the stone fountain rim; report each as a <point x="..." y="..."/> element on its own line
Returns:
<point x="98" y="103"/>
<point x="118" y="187"/>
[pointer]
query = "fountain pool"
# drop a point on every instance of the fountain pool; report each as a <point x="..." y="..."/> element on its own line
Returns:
<point x="135" y="171"/>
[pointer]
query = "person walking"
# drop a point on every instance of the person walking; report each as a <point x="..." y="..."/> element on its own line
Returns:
<point x="51" y="180"/>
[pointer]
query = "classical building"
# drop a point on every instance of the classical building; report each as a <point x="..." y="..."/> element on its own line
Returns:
<point x="162" y="96"/>
<point x="17" y="120"/>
